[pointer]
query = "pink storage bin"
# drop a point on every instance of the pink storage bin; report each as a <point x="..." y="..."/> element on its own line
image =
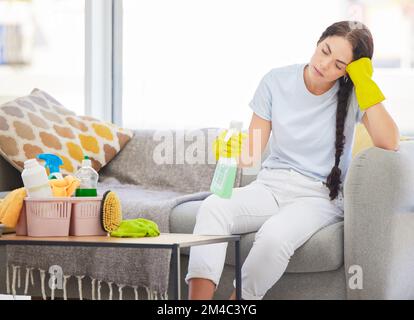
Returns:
<point x="21" y="227"/>
<point x="86" y="218"/>
<point x="48" y="217"/>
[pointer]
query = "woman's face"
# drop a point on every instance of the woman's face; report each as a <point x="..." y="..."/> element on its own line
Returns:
<point x="330" y="59"/>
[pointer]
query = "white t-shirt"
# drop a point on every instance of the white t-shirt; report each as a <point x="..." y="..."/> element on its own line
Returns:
<point x="303" y="124"/>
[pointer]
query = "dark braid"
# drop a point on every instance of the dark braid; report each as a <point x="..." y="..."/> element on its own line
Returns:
<point x="333" y="180"/>
<point x="362" y="44"/>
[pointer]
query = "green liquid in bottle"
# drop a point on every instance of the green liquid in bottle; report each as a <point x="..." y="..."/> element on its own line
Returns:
<point x="223" y="179"/>
<point x="86" y="193"/>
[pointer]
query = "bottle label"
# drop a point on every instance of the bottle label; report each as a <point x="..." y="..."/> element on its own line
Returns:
<point x="223" y="180"/>
<point x="219" y="177"/>
<point x="37" y="188"/>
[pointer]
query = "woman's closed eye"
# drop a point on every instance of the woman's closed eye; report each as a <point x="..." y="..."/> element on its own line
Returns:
<point x="326" y="53"/>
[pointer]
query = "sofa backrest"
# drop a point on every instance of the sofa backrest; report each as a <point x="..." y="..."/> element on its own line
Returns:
<point x="9" y="176"/>
<point x="180" y="160"/>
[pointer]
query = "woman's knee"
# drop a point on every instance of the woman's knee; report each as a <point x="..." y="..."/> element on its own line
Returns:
<point x="215" y="207"/>
<point x="274" y="242"/>
<point x="214" y="210"/>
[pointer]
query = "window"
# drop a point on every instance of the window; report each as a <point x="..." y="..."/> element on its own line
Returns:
<point x="42" y="46"/>
<point x="189" y="63"/>
<point x="391" y="23"/>
<point x="192" y="63"/>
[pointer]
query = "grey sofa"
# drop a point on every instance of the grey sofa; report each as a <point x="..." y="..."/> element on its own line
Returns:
<point x="370" y="255"/>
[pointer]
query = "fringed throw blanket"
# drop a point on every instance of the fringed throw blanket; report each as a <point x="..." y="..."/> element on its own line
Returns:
<point x="147" y="188"/>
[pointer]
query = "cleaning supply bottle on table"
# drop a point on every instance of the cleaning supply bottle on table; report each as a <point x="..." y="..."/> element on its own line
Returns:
<point x="226" y="168"/>
<point x="35" y="180"/>
<point x="88" y="179"/>
<point x="52" y="162"/>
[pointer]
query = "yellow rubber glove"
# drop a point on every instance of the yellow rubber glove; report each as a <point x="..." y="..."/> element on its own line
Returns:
<point x="11" y="206"/>
<point x="366" y="90"/>
<point x="230" y="149"/>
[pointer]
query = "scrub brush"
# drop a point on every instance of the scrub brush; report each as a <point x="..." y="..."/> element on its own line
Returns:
<point x="111" y="211"/>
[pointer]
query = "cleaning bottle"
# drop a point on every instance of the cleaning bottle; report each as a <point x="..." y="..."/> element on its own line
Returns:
<point x="52" y="162"/>
<point x="35" y="180"/>
<point x="88" y="179"/>
<point x="226" y="168"/>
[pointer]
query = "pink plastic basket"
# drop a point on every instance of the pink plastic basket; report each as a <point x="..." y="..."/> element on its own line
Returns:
<point x="86" y="220"/>
<point x="21" y="227"/>
<point x="48" y="217"/>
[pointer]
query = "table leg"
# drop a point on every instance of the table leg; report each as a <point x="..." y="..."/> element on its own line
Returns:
<point x="176" y="272"/>
<point x="238" y="271"/>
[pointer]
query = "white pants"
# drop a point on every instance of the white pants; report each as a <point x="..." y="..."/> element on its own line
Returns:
<point x="284" y="206"/>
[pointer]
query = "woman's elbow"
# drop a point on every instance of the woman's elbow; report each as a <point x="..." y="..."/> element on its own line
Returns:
<point x="389" y="145"/>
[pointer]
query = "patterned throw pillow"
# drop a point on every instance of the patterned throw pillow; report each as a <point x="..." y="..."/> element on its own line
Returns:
<point x="37" y="123"/>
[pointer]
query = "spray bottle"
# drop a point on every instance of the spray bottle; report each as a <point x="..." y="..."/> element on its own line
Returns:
<point x="225" y="174"/>
<point x="52" y="162"/>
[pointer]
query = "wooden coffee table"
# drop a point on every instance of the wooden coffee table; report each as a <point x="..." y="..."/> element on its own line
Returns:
<point x="173" y="241"/>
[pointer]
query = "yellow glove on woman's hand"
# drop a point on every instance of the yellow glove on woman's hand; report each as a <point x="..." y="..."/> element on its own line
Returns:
<point x="366" y="90"/>
<point x="230" y="149"/>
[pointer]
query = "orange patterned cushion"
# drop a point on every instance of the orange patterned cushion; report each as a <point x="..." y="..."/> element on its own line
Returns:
<point x="37" y="123"/>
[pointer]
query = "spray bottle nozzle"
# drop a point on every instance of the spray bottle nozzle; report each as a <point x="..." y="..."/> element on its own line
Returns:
<point x="53" y="162"/>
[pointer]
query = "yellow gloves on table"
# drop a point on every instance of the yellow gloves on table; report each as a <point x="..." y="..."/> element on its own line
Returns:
<point x="11" y="206"/>
<point x="64" y="187"/>
<point x="366" y="90"/>
<point x="232" y="148"/>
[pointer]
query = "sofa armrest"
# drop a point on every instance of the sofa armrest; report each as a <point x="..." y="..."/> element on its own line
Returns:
<point x="379" y="224"/>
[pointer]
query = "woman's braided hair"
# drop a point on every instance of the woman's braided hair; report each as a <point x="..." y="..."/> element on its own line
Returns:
<point x="362" y="45"/>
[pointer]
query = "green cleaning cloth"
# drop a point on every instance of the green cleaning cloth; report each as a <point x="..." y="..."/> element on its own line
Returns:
<point x="136" y="228"/>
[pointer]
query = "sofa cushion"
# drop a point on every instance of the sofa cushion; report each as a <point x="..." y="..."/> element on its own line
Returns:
<point x="37" y="123"/>
<point x="324" y="251"/>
